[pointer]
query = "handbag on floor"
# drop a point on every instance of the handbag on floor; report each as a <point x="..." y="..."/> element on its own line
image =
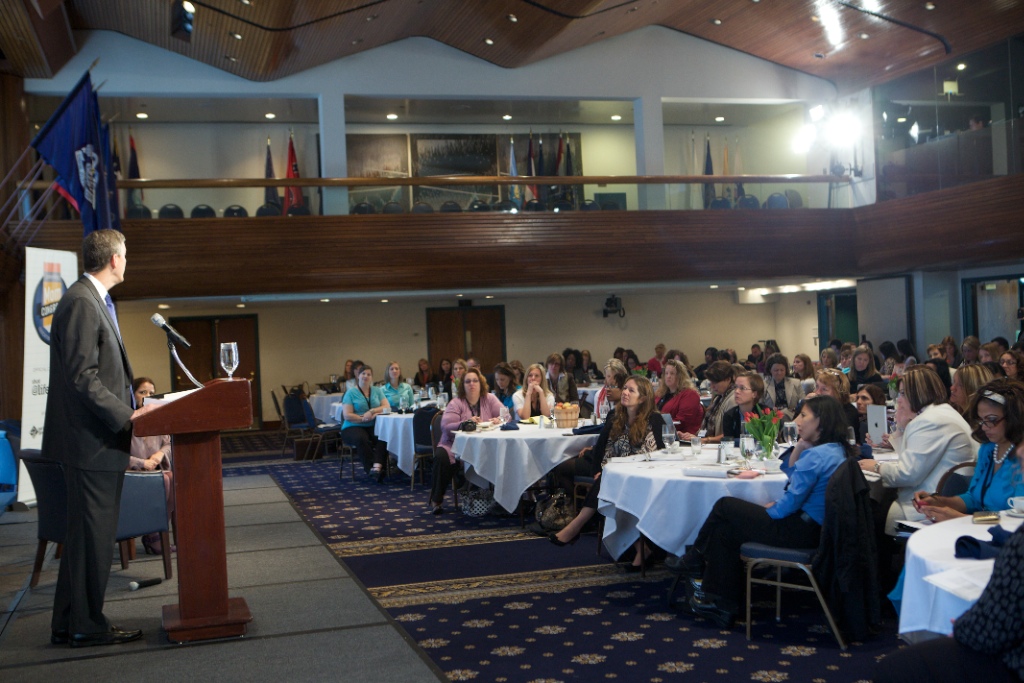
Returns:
<point x="554" y="513"/>
<point x="477" y="502"/>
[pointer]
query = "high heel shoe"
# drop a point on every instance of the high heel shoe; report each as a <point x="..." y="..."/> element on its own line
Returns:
<point x="553" y="537"/>
<point x="647" y="564"/>
<point x="151" y="543"/>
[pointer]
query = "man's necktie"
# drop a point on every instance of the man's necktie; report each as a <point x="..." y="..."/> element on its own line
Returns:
<point x="113" y="315"/>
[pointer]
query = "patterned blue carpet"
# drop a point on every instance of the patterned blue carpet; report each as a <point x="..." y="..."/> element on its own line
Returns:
<point x="489" y="601"/>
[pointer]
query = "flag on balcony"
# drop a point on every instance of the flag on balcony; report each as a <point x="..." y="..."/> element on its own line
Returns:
<point x="542" y="190"/>
<point x="292" y="195"/>
<point x="740" y="191"/>
<point x="515" y="192"/>
<point x="112" y="166"/>
<point x="270" y="195"/>
<point x="559" y="169"/>
<point x="135" y="197"/>
<point x="571" y="191"/>
<point x="73" y="143"/>
<point x="531" y="170"/>
<point x="709" y="170"/>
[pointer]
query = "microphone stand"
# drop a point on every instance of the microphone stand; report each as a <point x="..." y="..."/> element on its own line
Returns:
<point x="174" y="353"/>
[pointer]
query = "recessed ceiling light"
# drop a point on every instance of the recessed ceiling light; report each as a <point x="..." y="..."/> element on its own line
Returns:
<point x="961" y="66"/>
<point x="489" y="296"/>
<point x="188" y="7"/>
<point x="142" y="115"/>
<point x="241" y="305"/>
<point x="245" y="2"/>
<point x="864" y="36"/>
<point x="392" y="117"/>
<point x="716" y="22"/>
<point x="371" y="17"/>
<point x="902" y="119"/>
<point x="714" y="286"/>
<point x="236" y="36"/>
<point x="616" y="117"/>
<point x="325" y="301"/>
<point x="929" y="6"/>
<point x="488" y="41"/>
<point x="507" y="117"/>
<point x="458" y="295"/>
<point x="719" y="119"/>
<point x="230" y="58"/>
<point x="270" y="115"/>
<point x="742" y="289"/>
<point x="357" y="41"/>
<point x="513" y="18"/>
<point x="163" y="307"/>
<point x="815" y="17"/>
<point x="383" y="301"/>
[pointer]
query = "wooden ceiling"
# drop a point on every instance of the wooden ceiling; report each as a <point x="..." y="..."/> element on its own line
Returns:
<point x="854" y="43"/>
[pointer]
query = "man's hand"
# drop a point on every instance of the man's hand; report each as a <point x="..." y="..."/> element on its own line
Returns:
<point x="139" y="412"/>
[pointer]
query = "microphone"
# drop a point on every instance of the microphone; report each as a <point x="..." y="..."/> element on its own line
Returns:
<point x="136" y="585"/>
<point x="172" y="334"/>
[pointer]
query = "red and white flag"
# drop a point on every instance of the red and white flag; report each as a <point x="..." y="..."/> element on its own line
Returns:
<point x="292" y="195"/>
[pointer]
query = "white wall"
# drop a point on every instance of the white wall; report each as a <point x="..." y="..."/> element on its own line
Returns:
<point x="882" y="307"/>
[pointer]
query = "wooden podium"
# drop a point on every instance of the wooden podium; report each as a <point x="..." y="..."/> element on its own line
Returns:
<point x="194" y="422"/>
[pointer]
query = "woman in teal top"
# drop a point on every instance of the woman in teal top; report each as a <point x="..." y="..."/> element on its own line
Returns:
<point x="998" y="412"/>
<point x="395" y="388"/>
<point x="361" y="405"/>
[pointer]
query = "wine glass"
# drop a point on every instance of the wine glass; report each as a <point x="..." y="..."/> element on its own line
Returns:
<point x="229" y="357"/>
<point x="668" y="436"/>
<point x="790" y="433"/>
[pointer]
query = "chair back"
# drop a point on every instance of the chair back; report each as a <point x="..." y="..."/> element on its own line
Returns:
<point x="421" y="436"/>
<point x="51" y="496"/>
<point x="534" y="205"/>
<point x="776" y="200"/>
<point x="171" y="211"/>
<point x="235" y="211"/>
<point x="143" y="505"/>
<point x="394" y="207"/>
<point x="269" y="209"/>
<point x="138" y="212"/>
<point x="8" y="473"/>
<point x="720" y="203"/>
<point x="590" y="205"/>
<point x="363" y="208"/>
<point x="307" y="412"/>
<point x="477" y="205"/>
<point x="957" y="479"/>
<point x="505" y="206"/>
<point x="748" y="201"/>
<point x="203" y="211"/>
<point x="435" y="428"/>
<point x="609" y="205"/>
<point x="563" y="205"/>
<point x="422" y="207"/>
<point x="277" y="407"/>
<point x="294" y="413"/>
<point x="451" y="207"/>
<point x="796" y="201"/>
<point x="300" y="210"/>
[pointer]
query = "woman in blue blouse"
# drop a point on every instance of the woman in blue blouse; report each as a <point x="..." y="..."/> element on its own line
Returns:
<point x="361" y="405"/>
<point x="504" y="384"/>
<point x="396" y="388"/>
<point x="794" y="521"/>
<point x="998" y="415"/>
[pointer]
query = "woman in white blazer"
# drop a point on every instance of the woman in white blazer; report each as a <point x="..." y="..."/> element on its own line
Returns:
<point x="777" y="375"/>
<point x="931" y="436"/>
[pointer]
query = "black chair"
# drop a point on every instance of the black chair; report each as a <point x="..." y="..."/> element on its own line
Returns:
<point x="394" y="207"/>
<point x="235" y="211"/>
<point x="748" y="201"/>
<point x="776" y="200"/>
<point x="953" y="483"/>
<point x="300" y="210"/>
<point x="269" y="209"/>
<point x="51" y="504"/>
<point x="170" y="211"/>
<point x="720" y="203"/>
<point x="534" y="205"/>
<point x="423" y="445"/>
<point x="422" y="207"/>
<point x="451" y="207"/>
<point x="795" y="200"/>
<point x="477" y="205"/>
<point x="362" y="208"/>
<point x="297" y="427"/>
<point x="504" y="206"/>
<point x="563" y="205"/>
<point x="610" y="206"/>
<point x="143" y="511"/>
<point x="590" y="205"/>
<point x="203" y="211"/>
<point x="138" y="212"/>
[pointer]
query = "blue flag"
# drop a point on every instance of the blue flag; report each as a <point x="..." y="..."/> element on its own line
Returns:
<point x="135" y="197"/>
<point x="709" y="169"/>
<point x="73" y="143"/>
<point x="515" y="193"/>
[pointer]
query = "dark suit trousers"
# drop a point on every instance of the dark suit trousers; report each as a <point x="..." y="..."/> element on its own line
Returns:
<point x="94" y="499"/>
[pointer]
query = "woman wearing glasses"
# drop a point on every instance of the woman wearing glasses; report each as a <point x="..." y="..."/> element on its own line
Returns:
<point x="720" y="374"/>
<point x="930" y="437"/>
<point x="749" y="389"/>
<point x="998" y="413"/>
<point x="1012" y="363"/>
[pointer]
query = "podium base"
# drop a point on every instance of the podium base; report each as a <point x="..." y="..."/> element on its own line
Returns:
<point x="234" y="623"/>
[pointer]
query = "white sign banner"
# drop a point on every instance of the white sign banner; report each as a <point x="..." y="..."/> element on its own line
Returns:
<point x="48" y="274"/>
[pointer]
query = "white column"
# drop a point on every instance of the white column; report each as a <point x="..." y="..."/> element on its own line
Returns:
<point x="333" y="151"/>
<point x="649" y="131"/>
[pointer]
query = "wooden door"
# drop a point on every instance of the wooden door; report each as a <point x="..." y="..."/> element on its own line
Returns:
<point x="467" y="331"/>
<point x="203" y="359"/>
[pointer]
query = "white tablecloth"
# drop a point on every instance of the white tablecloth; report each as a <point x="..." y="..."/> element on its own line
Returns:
<point x="656" y="499"/>
<point x="323" y="405"/>
<point x="396" y="430"/>
<point x="931" y="550"/>
<point x="514" y="460"/>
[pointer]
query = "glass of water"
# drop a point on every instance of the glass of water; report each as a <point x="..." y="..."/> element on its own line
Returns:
<point x="695" y="445"/>
<point x="790" y="433"/>
<point x="504" y="415"/>
<point x="229" y="357"/>
<point x="668" y="436"/>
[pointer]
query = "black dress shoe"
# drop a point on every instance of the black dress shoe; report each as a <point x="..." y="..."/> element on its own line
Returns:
<point x="59" y="637"/>
<point x="114" y="636"/>
<point x="689" y="565"/>
<point x="647" y="564"/>
<point x="707" y="608"/>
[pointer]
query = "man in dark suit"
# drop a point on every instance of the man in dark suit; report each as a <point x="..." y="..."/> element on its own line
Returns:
<point x="88" y="428"/>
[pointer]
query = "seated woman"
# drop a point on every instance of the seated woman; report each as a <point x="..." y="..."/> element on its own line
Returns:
<point x="151" y="453"/>
<point x="473" y="404"/>
<point x="396" y="390"/>
<point x="720" y="374"/>
<point x="935" y="351"/>
<point x="534" y="398"/>
<point x="444" y="375"/>
<point x="862" y="369"/>
<point x="966" y="382"/>
<point x="869" y="395"/>
<point x="829" y="358"/>
<point x="908" y="352"/>
<point x="615" y="376"/>
<point x="953" y="357"/>
<point x="1012" y="363"/>
<point x="930" y="437"/>
<point x="634" y="427"/>
<point x="361" y="405"/>
<point x="459" y="367"/>
<point x="574" y="366"/>
<point x="834" y="383"/>
<point x="846" y="357"/>
<point x="970" y="349"/>
<point x="803" y="370"/>
<point x="713" y="562"/>
<point x="424" y="376"/>
<point x="676" y="396"/>
<point x="562" y="385"/>
<point x="505" y="385"/>
<point x="940" y="367"/>
<point x="748" y="389"/>
<point x="891" y="358"/>
<point x="781" y="391"/>
<point x="520" y="371"/>
<point x="589" y="366"/>
<point x="998" y="413"/>
<point x="353" y="374"/>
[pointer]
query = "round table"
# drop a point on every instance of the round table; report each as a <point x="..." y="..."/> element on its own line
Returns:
<point x="396" y="430"/>
<point x="657" y="500"/>
<point x="514" y="460"/>
<point x="931" y="550"/>
<point x="323" y="405"/>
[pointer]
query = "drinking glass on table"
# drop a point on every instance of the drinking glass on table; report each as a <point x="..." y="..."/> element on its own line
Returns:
<point x="504" y="415"/>
<point x="695" y="445"/>
<point x="229" y="357"/>
<point x="668" y="436"/>
<point x="789" y="432"/>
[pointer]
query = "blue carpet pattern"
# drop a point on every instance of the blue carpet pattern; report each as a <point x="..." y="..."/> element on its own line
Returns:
<point x="489" y="601"/>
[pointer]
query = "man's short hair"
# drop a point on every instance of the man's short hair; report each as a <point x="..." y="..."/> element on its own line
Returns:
<point x="98" y="247"/>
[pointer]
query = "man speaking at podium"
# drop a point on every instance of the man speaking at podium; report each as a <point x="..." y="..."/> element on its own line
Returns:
<point x="88" y="428"/>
